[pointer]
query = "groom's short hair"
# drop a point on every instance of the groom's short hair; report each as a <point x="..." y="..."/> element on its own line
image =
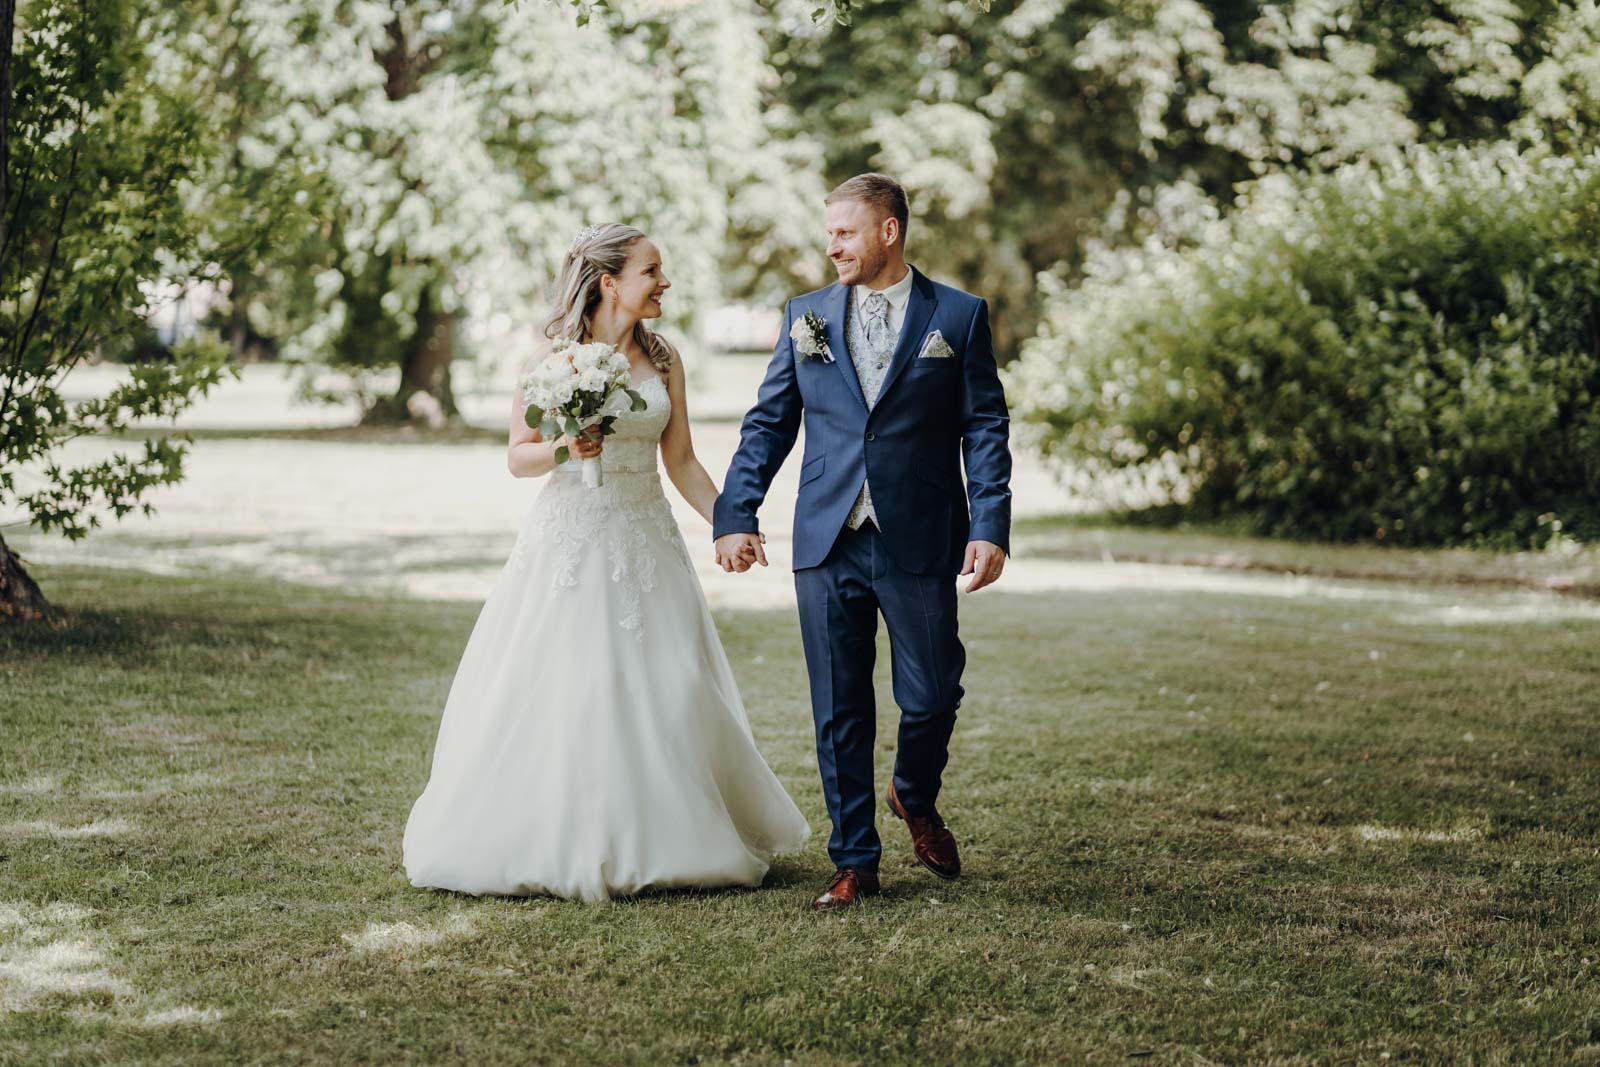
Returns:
<point x="881" y="192"/>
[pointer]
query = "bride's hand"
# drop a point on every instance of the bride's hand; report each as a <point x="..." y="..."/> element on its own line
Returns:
<point x="587" y="444"/>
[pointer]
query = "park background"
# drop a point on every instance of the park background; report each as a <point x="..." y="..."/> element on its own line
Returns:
<point x="1281" y="739"/>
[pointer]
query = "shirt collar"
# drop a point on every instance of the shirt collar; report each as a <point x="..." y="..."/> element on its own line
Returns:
<point x="897" y="294"/>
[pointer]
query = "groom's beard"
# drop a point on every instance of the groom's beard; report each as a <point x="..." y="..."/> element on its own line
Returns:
<point x="869" y="266"/>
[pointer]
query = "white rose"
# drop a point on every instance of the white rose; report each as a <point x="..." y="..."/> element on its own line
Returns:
<point x="552" y="371"/>
<point x="561" y="393"/>
<point x="801" y="336"/>
<point x="594" y="380"/>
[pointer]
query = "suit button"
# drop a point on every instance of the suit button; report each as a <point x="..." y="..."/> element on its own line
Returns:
<point x="872" y="436"/>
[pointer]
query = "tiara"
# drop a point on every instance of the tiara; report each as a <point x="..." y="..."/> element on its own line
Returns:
<point x="585" y="235"/>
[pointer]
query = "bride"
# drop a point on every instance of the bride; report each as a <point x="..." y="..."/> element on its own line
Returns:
<point x="594" y="743"/>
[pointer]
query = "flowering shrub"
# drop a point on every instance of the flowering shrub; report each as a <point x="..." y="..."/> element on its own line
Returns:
<point x="1394" y="352"/>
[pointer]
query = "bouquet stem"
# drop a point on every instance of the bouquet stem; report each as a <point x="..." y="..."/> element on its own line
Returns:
<point x="593" y="476"/>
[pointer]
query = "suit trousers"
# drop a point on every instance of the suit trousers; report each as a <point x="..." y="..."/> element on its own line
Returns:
<point x="839" y="605"/>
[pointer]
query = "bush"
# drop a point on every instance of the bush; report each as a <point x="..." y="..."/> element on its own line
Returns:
<point x="1404" y="354"/>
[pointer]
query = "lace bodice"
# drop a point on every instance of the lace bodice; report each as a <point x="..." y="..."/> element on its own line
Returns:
<point x="628" y="518"/>
<point x="632" y="448"/>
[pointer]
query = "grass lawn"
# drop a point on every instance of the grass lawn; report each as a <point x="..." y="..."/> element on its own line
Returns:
<point x="1197" y="827"/>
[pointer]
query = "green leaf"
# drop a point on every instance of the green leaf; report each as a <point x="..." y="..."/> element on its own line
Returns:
<point x="562" y="455"/>
<point x="606" y="425"/>
<point x="572" y="426"/>
<point x="550" y="429"/>
<point x="534" y="417"/>
<point x="635" y="401"/>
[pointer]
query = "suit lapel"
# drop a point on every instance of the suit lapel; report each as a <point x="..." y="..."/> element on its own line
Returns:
<point x="834" y="309"/>
<point x="919" y="310"/>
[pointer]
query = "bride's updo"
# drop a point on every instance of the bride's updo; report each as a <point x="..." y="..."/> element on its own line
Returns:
<point x="595" y="251"/>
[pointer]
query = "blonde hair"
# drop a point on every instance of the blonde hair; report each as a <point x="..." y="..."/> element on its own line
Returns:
<point x="599" y="250"/>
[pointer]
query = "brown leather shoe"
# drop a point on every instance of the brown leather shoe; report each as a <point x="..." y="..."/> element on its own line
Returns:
<point x="934" y="845"/>
<point x="848" y="886"/>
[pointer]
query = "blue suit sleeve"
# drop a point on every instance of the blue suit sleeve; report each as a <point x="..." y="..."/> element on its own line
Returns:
<point x="985" y="431"/>
<point x="765" y="440"/>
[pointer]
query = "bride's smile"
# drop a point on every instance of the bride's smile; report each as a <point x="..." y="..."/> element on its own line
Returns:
<point x="642" y="282"/>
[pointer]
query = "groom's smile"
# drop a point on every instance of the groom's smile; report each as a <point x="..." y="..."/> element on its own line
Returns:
<point x="857" y="241"/>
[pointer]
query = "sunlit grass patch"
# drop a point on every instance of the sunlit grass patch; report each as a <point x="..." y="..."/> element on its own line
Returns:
<point x="46" y="828"/>
<point x="1368" y="832"/>
<point x="37" y="785"/>
<point x="402" y="937"/>
<point x="184" y="1015"/>
<point x="47" y="954"/>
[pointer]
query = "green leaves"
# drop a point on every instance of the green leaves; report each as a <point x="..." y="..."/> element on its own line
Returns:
<point x="533" y="416"/>
<point x="109" y="131"/>
<point x="562" y="454"/>
<point x="838" y="11"/>
<point x="1398" y="355"/>
<point x="635" y="401"/>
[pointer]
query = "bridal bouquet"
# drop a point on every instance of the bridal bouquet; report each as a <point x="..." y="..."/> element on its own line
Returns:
<point x="579" y="387"/>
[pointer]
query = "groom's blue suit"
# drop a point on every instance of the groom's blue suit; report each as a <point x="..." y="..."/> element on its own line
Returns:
<point x="931" y="414"/>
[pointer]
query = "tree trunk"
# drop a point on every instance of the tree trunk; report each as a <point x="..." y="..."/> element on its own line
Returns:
<point x="244" y="343"/>
<point x="20" y="598"/>
<point x="424" y="395"/>
<point x="8" y="26"/>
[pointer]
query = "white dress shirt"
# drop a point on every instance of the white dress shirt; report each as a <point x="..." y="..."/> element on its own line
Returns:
<point x="898" y="295"/>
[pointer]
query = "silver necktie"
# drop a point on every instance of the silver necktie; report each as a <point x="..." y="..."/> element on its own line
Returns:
<point x="875" y="320"/>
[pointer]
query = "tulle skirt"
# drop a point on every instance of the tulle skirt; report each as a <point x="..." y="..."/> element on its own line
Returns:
<point x="594" y="743"/>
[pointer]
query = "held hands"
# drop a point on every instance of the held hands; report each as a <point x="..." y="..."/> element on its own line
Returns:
<point x="985" y="560"/>
<point x="737" y="552"/>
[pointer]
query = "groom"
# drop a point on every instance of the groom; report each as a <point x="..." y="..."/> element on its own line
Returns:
<point x="895" y="379"/>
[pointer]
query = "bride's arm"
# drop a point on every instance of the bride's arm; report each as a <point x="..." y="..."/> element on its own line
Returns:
<point x="528" y="454"/>
<point x="677" y="449"/>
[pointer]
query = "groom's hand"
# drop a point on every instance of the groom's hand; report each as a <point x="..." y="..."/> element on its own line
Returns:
<point x="737" y="551"/>
<point x="985" y="560"/>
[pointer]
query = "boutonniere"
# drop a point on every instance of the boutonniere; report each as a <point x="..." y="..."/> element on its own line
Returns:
<point x="810" y="336"/>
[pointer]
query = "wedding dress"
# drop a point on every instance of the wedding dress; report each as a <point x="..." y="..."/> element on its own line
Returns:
<point x="594" y="742"/>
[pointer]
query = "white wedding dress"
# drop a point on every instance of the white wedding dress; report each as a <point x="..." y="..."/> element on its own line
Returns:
<point x="594" y="743"/>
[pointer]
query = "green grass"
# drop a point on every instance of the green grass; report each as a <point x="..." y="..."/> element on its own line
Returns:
<point x="1202" y="827"/>
<point x="1571" y="568"/>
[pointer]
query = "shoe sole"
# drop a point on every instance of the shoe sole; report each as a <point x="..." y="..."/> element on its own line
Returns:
<point x="930" y="868"/>
<point x="842" y="907"/>
<point x="834" y="907"/>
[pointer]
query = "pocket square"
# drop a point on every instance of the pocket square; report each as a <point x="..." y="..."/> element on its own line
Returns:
<point x="935" y="347"/>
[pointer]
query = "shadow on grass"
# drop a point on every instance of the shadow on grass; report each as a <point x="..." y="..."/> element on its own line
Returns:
<point x="1162" y="536"/>
<point x="462" y="433"/>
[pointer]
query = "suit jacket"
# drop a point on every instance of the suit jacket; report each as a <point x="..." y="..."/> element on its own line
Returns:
<point x="931" y="416"/>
